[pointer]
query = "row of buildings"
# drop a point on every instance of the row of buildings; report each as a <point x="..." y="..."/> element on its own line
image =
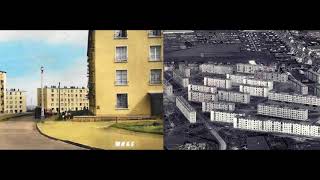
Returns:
<point x="11" y="100"/>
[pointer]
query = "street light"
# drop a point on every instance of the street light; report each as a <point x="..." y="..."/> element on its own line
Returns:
<point x="42" y="101"/>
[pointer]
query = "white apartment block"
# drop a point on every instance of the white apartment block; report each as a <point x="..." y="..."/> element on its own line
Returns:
<point x="294" y="98"/>
<point x="185" y="70"/>
<point x="217" y="82"/>
<point x="222" y="116"/>
<point x="298" y="86"/>
<point x="271" y="125"/>
<point x="259" y="91"/>
<point x="186" y="109"/>
<point x="201" y="96"/>
<point x="237" y="79"/>
<point x="282" y="111"/>
<point x="258" y="82"/>
<point x="70" y="98"/>
<point x="233" y="96"/>
<point x="202" y="88"/>
<point x="252" y="68"/>
<point x="3" y="94"/>
<point x="16" y="101"/>
<point x="224" y="106"/>
<point x="271" y="76"/>
<point x="216" y="68"/>
<point x="312" y="75"/>
<point x="179" y="78"/>
<point x="168" y="89"/>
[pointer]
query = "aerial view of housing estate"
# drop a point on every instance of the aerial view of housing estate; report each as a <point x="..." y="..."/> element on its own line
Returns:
<point x="242" y="90"/>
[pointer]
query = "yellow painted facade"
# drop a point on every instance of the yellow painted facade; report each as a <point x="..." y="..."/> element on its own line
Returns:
<point x="103" y="64"/>
<point x="3" y="80"/>
<point x="16" y="101"/>
<point x="71" y="99"/>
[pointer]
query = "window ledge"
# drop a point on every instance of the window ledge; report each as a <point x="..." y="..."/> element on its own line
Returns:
<point x="120" y="37"/>
<point x="121" y="61"/>
<point x="150" y="60"/>
<point x="122" y="108"/>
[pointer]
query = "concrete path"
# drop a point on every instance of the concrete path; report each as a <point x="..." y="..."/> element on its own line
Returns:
<point x="21" y="134"/>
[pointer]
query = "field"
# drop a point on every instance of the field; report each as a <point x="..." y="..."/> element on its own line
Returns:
<point x="155" y="127"/>
<point x="106" y="135"/>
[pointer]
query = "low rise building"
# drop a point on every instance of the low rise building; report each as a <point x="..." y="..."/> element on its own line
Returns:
<point x="185" y="70"/>
<point x="224" y="83"/>
<point x="16" y="101"/>
<point x="234" y="96"/>
<point x="294" y="98"/>
<point x="70" y="98"/>
<point x="202" y="88"/>
<point x="252" y="68"/>
<point x="292" y="127"/>
<point x="180" y="78"/>
<point x="271" y="76"/>
<point x="223" y="116"/>
<point x="186" y="109"/>
<point x="195" y="96"/>
<point x="312" y="75"/>
<point x="282" y="111"/>
<point x="219" y="105"/>
<point x="258" y="82"/>
<point x="168" y="89"/>
<point x="237" y="79"/>
<point x="216" y="68"/>
<point x="298" y="86"/>
<point x="259" y="91"/>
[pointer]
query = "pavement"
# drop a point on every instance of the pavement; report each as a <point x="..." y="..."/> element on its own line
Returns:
<point x="20" y="133"/>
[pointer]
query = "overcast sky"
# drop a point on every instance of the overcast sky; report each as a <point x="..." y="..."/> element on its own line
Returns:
<point x="62" y="53"/>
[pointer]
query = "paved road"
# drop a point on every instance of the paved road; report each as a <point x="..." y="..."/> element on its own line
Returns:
<point x="21" y="134"/>
<point x="213" y="131"/>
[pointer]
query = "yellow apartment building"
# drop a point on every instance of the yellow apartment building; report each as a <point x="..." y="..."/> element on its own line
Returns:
<point x="3" y="81"/>
<point x="16" y="101"/>
<point x="70" y="98"/>
<point x="125" y="70"/>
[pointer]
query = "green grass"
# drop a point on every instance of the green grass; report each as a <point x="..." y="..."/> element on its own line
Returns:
<point x="100" y="135"/>
<point x="155" y="127"/>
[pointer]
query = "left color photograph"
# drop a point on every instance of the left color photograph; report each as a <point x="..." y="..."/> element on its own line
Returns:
<point x="78" y="90"/>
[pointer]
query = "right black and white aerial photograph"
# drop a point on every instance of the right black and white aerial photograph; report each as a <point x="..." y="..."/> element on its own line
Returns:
<point x="242" y="89"/>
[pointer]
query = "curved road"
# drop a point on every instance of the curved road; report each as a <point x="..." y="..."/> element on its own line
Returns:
<point x="21" y="134"/>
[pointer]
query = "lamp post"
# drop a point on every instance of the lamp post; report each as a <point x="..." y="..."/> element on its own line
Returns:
<point x="59" y="100"/>
<point x="42" y="100"/>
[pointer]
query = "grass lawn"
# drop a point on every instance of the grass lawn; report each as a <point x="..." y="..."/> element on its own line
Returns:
<point x="105" y="135"/>
<point x="155" y="127"/>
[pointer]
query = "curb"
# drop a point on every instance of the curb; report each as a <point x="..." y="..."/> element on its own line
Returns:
<point x="66" y="141"/>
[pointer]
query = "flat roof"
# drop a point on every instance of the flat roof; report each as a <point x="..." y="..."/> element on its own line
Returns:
<point x="281" y="106"/>
<point x="268" y="118"/>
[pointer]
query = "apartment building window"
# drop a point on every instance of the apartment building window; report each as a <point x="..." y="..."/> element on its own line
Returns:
<point x="121" y="77"/>
<point x="120" y="34"/>
<point x="156" y="76"/>
<point x="154" y="33"/>
<point x="121" y="53"/>
<point x="155" y="53"/>
<point x="122" y="100"/>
